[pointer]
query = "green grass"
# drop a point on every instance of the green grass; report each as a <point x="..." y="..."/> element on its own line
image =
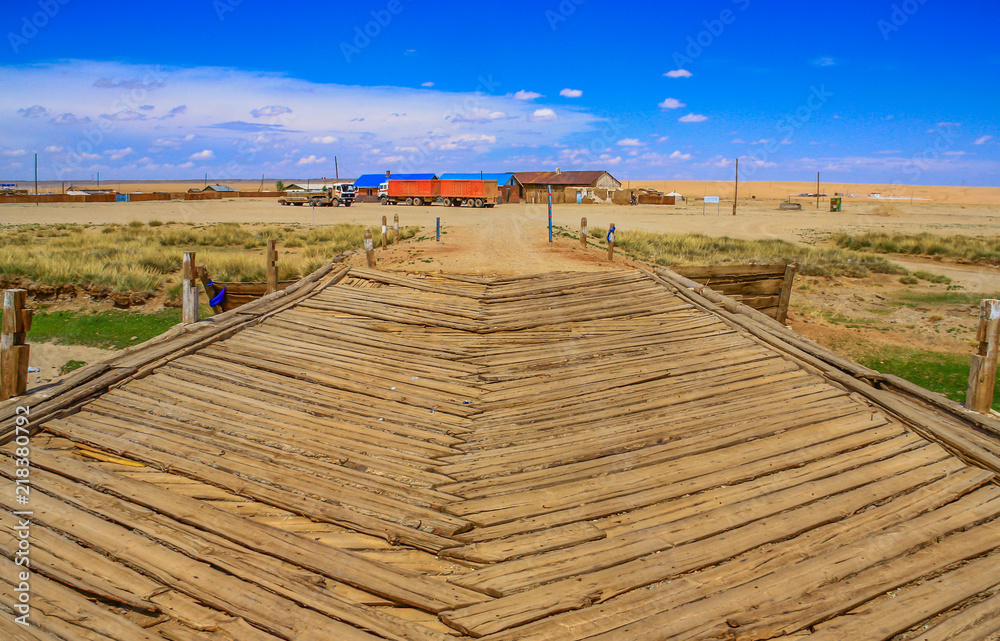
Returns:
<point x="926" y="299"/>
<point x="976" y="249"/>
<point x="71" y="366"/>
<point x="945" y="373"/>
<point x="691" y="249"/>
<point x="108" y="330"/>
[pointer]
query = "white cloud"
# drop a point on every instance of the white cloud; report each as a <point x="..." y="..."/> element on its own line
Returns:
<point x="68" y="119"/>
<point x="118" y="154"/>
<point x="325" y="140"/>
<point x="982" y="140"/>
<point x="762" y="141"/>
<point x="677" y="155"/>
<point x="271" y="111"/>
<point x="53" y="149"/>
<point x="571" y="93"/>
<point x="671" y="103"/>
<point x="124" y="115"/>
<point x="949" y="124"/>
<point x="955" y="153"/>
<point x="663" y="139"/>
<point x="824" y="62"/>
<point x="35" y="111"/>
<point x="738" y="141"/>
<point x="187" y="165"/>
<point x="543" y="114"/>
<point x="693" y="118"/>
<point x="311" y="159"/>
<point x="206" y="154"/>
<point x="479" y="115"/>
<point x="526" y="95"/>
<point x="427" y="84"/>
<point x="13" y="153"/>
<point x="629" y="142"/>
<point x="678" y="73"/>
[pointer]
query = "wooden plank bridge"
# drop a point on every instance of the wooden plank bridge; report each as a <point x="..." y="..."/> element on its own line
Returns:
<point x="607" y="455"/>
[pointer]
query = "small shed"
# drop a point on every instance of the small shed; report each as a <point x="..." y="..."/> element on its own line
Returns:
<point x="536" y="183"/>
<point x="221" y="189"/>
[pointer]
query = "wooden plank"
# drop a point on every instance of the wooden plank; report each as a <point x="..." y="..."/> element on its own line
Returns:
<point x="535" y="603"/>
<point x="400" y="586"/>
<point x="526" y="544"/>
<point x="676" y="601"/>
<point x="975" y="622"/>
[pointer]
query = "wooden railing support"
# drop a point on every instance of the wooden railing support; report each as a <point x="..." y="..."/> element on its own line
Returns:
<point x="369" y="248"/>
<point x="190" y="289"/>
<point x="13" y="348"/>
<point x="983" y="370"/>
<point x="583" y="232"/>
<point x="272" y="267"/>
<point x="786" y="292"/>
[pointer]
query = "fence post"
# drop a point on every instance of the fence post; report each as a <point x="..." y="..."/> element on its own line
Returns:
<point x="611" y="242"/>
<point x="13" y="350"/>
<point x="210" y="289"/>
<point x="786" y="292"/>
<point x="385" y="233"/>
<point x="983" y="370"/>
<point x="369" y="248"/>
<point x="272" y="267"/>
<point x="395" y="228"/>
<point x="550" y="213"/>
<point x="583" y="232"/>
<point x="190" y="292"/>
<point x="438" y="229"/>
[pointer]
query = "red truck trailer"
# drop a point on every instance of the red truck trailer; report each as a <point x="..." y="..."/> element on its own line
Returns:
<point x="455" y="193"/>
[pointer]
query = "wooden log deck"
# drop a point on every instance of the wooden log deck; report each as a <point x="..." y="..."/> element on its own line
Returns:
<point x="610" y="455"/>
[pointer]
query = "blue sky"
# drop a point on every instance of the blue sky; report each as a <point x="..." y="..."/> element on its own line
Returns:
<point x="870" y="92"/>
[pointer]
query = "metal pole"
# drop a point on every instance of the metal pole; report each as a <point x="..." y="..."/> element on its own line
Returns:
<point x="438" y="229"/>
<point x="336" y="167"/>
<point x="37" y="199"/>
<point x="550" y="213"/>
<point x="736" y="190"/>
<point x="817" y="191"/>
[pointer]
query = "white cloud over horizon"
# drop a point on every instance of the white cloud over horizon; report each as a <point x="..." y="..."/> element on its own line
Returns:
<point x="254" y="121"/>
<point x="571" y="93"/>
<point x="671" y="103"/>
<point x="678" y="73"/>
<point x="693" y="118"/>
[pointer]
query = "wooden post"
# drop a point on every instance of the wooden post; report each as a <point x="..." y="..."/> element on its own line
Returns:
<point x="983" y="370"/>
<point x="370" y="248"/>
<point x="395" y="228"/>
<point x="190" y="290"/>
<point x="385" y="233"/>
<point x="272" y="267"/>
<point x="13" y="350"/>
<point x="210" y="289"/>
<point x="583" y="232"/>
<point x="611" y="242"/>
<point x="786" y="292"/>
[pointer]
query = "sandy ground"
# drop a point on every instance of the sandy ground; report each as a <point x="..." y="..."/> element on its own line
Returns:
<point x="690" y="188"/>
<point x="513" y="239"/>
<point x="50" y="358"/>
<point x="756" y="219"/>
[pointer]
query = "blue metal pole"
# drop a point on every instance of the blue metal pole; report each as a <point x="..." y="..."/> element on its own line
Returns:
<point x="550" y="213"/>
<point x="439" y="230"/>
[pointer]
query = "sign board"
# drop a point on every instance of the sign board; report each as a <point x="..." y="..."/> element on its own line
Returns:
<point x="712" y="199"/>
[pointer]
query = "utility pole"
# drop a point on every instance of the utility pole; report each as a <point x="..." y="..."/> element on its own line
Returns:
<point x="736" y="189"/>
<point x="336" y="167"/>
<point x="817" y="191"/>
<point x="37" y="198"/>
